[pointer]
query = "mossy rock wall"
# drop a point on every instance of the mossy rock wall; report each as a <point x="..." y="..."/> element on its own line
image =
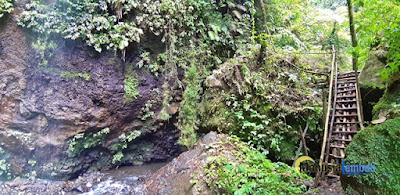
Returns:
<point x="379" y="145"/>
<point x="389" y="105"/>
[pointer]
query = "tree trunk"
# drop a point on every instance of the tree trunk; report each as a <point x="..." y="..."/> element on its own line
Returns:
<point x="355" y="59"/>
<point x="353" y="33"/>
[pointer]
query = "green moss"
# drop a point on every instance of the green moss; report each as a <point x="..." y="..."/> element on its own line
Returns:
<point x="212" y="110"/>
<point x="389" y="104"/>
<point x="188" y="115"/>
<point x="130" y="84"/>
<point x="379" y="145"/>
<point x="66" y="74"/>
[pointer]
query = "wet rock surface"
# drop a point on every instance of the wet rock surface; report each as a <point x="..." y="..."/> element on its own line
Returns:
<point x="79" y="91"/>
<point x="125" y="180"/>
<point x="156" y="178"/>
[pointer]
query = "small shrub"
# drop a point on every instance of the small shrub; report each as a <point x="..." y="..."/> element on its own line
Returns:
<point x="83" y="141"/>
<point x="130" y="84"/>
<point x="122" y="144"/>
<point x="6" y="6"/>
<point x="240" y="169"/>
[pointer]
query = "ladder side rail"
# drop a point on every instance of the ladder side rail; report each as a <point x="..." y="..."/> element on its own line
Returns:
<point x="359" y="105"/>
<point x="327" y="115"/>
<point x="332" y="120"/>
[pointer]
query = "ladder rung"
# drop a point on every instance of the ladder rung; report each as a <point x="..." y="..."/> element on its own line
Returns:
<point x="348" y="81"/>
<point x="343" y="87"/>
<point x="348" y="115"/>
<point x="352" y="108"/>
<point x="346" y="90"/>
<point x="335" y="176"/>
<point x="342" y="140"/>
<point x="346" y="123"/>
<point x="347" y="78"/>
<point x="336" y="146"/>
<point x="352" y="74"/>
<point x="347" y="96"/>
<point x="345" y="132"/>
<point x="346" y="101"/>
<point x="334" y="156"/>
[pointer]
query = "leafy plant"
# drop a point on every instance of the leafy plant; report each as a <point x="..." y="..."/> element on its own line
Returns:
<point x="242" y="170"/>
<point x="88" y="20"/>
<point x="6" y="6"/>
<point x="130" y="84"/>
<point x="378" y="23"/>
<point x="122" y="144"/>
<point x="44" y="49"/>
<point x="82" y="141"/>
<point x="146" y="111"/>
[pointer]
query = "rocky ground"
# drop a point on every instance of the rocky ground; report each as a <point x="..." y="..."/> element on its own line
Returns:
<point x="160" y="178"/>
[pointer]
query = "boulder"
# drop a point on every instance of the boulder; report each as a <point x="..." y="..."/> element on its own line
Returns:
<point x="370" y="74"/>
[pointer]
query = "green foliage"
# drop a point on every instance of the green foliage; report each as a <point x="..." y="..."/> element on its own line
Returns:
<point x="130" y="84"/>
<point x="6" y="6"/>
<point x="188" y="115"/>
<point x="32" y="162"/>
<point x="163" y="115"/>
<point x="5" y="172"/>
<point x="378" y="22"/>
<point x="389" y="104"/>
<point x="263" y="107"/>
<point x="108" y="24"/>
<point x="85" y="76"/>
<point x="4" y="169"/>
<point x="243" y="170"/>
<point x="153" y="67"/>
<point x="330" y="4"/>
<point x="89" y="20"/>
<point x="380" y="145"/>
<point x="44" y="49"/>
<point x="122" y="144"/>
<point x="146" y="111"/>
<point x="83" y="141"/>
<point x="196" y="60"/>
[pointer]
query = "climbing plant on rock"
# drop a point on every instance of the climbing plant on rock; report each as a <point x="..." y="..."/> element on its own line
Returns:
<point x="110" y="24"/>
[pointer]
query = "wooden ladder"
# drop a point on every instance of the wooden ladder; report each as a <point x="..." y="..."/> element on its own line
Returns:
<point x="343" y="120"/>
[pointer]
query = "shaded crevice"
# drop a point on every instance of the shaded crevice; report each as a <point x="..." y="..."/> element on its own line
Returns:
<point x="370" y="96"/>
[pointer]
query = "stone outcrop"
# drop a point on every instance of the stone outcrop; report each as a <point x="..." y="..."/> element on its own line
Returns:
<point x="370" y="75"/>
<point x="176" y="176"/>
<point x="79" y="91"/>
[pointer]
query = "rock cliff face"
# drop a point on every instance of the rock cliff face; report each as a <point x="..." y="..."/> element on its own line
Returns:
<point x="370" y="75"/>
<point x="79" y="91"/>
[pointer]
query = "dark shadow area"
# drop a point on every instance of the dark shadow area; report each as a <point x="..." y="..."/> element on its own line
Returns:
<point x="370" y="96"/>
